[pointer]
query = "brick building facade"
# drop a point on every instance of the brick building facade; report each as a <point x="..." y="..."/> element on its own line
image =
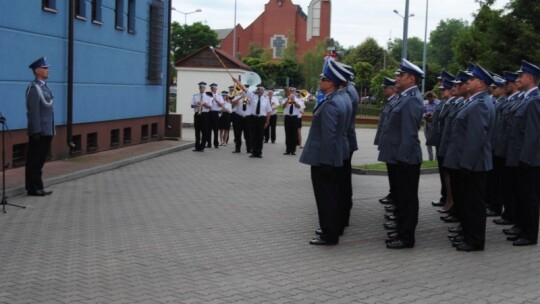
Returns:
<point x="280" y="21"/>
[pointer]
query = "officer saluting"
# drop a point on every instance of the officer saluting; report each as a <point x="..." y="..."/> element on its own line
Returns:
<point x="41" y="128"/>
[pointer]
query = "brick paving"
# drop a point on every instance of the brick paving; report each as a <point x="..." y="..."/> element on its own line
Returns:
<point x="217" y="227"/>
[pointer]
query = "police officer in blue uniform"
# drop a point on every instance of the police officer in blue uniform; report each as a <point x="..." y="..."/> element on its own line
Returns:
<point x="325" y="150"/>
<point x="41" y="127"/>
<point x="524" y="147"/>
<point x="399" y="145"/>
<point x="470" y="153"/>
<point x="389" y="92"/>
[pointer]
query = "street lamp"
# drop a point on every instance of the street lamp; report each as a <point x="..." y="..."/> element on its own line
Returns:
<point x="185" y="14"/>
<point x="425" y="47"/>
<point x="405" y="28"/>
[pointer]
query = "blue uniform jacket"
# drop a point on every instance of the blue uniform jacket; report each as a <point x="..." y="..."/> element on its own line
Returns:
<point x="399" y="142"/>
<point x="351" y="131"/>
<point x="40" y="113"/>
<point x="384" y="113"/>
<point x="470" y="142"/>
<point x="518" y="124"/>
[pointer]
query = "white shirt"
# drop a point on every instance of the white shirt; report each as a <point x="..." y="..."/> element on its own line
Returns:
<point x="239" y="106"/>
<point x="275" y="103"/>
<point x="217" y="98"/>
<point x="296" y="110"/>
<point x="206" y="100"/>
<point x="227" y="107"/>
<point x="265" y="107"/>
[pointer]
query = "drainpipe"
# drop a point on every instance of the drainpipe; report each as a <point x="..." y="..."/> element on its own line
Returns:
<point x="69" y="126"/>
<point x="168" y="78"/>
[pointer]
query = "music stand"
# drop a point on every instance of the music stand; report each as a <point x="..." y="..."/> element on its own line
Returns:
<point x="4" y="165"/>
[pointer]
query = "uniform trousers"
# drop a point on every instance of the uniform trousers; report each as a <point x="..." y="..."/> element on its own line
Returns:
<point x="242" y="126"/>
<point x="257" y="134"/>
<point x="494" y="200"/>
<point x="528" y="202"/>
<point x="346" y="192"/>
<point x="201" y="122"/>
<point x="36" y="155"/>
<point x="510" y="191"/>
<point x="473" y="216"/>
<point x="457" y="192"/>
<point x="406" y="179"/>
<point x="234" y="117"/>
<point x="325" y="180"/>
<point x="270" y="131"/>
<point x="442" y="174"/>
<point x="291" y="133"/>
<point x="214" y="127"/>
<point x="391" y="169"/>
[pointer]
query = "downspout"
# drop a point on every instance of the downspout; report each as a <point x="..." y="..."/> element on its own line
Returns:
<point x="69" y="126"/>
<point x="168" y="78"/>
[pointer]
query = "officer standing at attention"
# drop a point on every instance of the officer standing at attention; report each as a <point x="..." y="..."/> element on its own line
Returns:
<point x="201" y="105"/>
<point x="470" y="152"/>
<point x="389" y="92"/>
<point x="399" y="145"/>
<point x="324" y="152"/>
<point x="41" y="128"/>
<point x="215" y="111"/>
<point x="523" y="146"/>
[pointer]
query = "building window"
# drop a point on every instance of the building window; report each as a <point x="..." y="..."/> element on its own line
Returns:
<point x="127" y="135"/>
<point x="77" y="148"/>
<point x="49" y="5"/>
<point x="80" y="9"/>
<point x="155" y="43"/>
<point x="115" y="138"/>
<point x="96" y="11"/>
<point x="131" y="16"/>
<point x="154" y="130"/>
<point x="119" y="15"/>
<point x="19" y="155"/>
<point x="278" y="43"/>
<point x="92" y="142"/>
<point x="144" y="132"/>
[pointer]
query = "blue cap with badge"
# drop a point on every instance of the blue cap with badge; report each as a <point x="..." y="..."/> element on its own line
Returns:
<point x="510" y="76"/>
<point x="445" y="75"/>
<point x="498" y="81"/>
<point x="462" y="77"/>
<point x="527" y="67"/>
<point x="446" y="84"/>
<point x="479" y="72"/>
<point x="39" y="63"/>
<point x="388" y="82"/>
<point x="335" y="71"/>
<point x="409" y="67"/>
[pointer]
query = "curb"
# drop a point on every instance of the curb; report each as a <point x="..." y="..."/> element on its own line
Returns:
<point x="360" y="171"/>
<point x="90" y="171"/>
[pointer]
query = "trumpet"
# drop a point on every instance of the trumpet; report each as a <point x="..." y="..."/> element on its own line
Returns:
<point x="199" y="108"/>
<point x="304" y="94"/>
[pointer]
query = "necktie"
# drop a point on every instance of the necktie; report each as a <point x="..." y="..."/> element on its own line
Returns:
<point x="290" y="109"/>
<point x="244" y="107"/>
<point x="258" y="109"/>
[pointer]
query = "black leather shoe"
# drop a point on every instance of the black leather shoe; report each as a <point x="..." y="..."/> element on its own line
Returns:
<point x="523" y="242"/>
<point x="390" y="217"/>
<point x="47" y="192"/>
<point x="390" y="208"/>
<point x="393" y="235"/>
<point x="512" y="231"/>
<point x="502" y="221"/>
<point x="255" y="156"/>
<point x="390" y="226"/>
<point x="390" y="232"/>
<point x="468" y="248"/>
<point x="236" y="151"/>
<point x="513" y="238"/>
<point x="450" y="219"/>
<point x="198" y="150"/>
<point x="398" y="244"/>
<point x="491" y="212"/>
<point x="386" y="200"/>
<point x="456" y="229"/>
<point x="457" y="243"/>
<point x="454" y="238"/>
<point x="319" y="241"/>
<point x="292" y="153"/>
<point x="320" y="232"/>
<point x="443" y="211"/>
<point x="287" y="153"/>
<point x="437" y="204"/>
<point x="36" y="193"/>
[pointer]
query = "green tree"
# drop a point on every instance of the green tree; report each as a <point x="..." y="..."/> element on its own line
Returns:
<point x="364" y="72"/>
<point x="312" y="65"/>
<point x="186" y="39"/>
<point x="415" y="49"/>
<point x="368" y="51"/>
<point x="440" y="41"/>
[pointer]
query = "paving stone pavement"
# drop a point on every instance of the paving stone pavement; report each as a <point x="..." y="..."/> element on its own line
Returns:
<point x="217" y="227"/>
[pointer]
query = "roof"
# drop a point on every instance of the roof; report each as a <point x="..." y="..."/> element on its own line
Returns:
<point x="206" y="58"/>
<point x="223" y="33"/>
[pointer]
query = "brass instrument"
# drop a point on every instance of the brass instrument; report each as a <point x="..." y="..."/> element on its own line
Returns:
<point x="199" y="108"/>
<point x="304" y="94"/>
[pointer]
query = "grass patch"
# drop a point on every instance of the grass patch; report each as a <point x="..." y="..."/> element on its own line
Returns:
<point x="382" y="166"/>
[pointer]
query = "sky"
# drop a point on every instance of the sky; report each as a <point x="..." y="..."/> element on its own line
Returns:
<point x="352" y="20"/>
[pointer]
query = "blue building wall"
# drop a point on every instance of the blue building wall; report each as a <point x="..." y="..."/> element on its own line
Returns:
<point x="110" y="65"/>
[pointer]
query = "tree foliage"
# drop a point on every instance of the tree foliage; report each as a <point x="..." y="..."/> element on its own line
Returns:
<point x="185" y="39"/>
<point x="440" y="41"/>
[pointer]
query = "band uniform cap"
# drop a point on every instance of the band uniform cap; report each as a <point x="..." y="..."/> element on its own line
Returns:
<point x="202" y="84"/>
<point x="510" y="76"/>
<point x="260" y="85"/>
<point x="39" y="63"/>
<point x="270" y="89"/>
<point x="345" y="70"/>
<point x="388" y="82"/>
<point x="293" y="88"/>
<point x="224" y="93"/>
<point x="445" y="75"/>
<point x="411" y="68"/>
<point x="527" y="67"/>
<point x="482" y="74"/>
<point x="231" y="87"/>
<point x="213" y="85"/>
<point x="462" y="77"/>
<point x="498" y="81"/>
<point x="446" y="84"/>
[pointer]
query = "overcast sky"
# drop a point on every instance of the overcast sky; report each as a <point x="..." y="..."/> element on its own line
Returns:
<point x="352" y="20"/>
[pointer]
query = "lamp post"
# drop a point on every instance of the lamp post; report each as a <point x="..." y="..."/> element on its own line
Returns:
<point x="234" y="32"/>
<point x="185" y="14"/>
<point x="405" y="28"/>
<point x="425" y="47"/>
